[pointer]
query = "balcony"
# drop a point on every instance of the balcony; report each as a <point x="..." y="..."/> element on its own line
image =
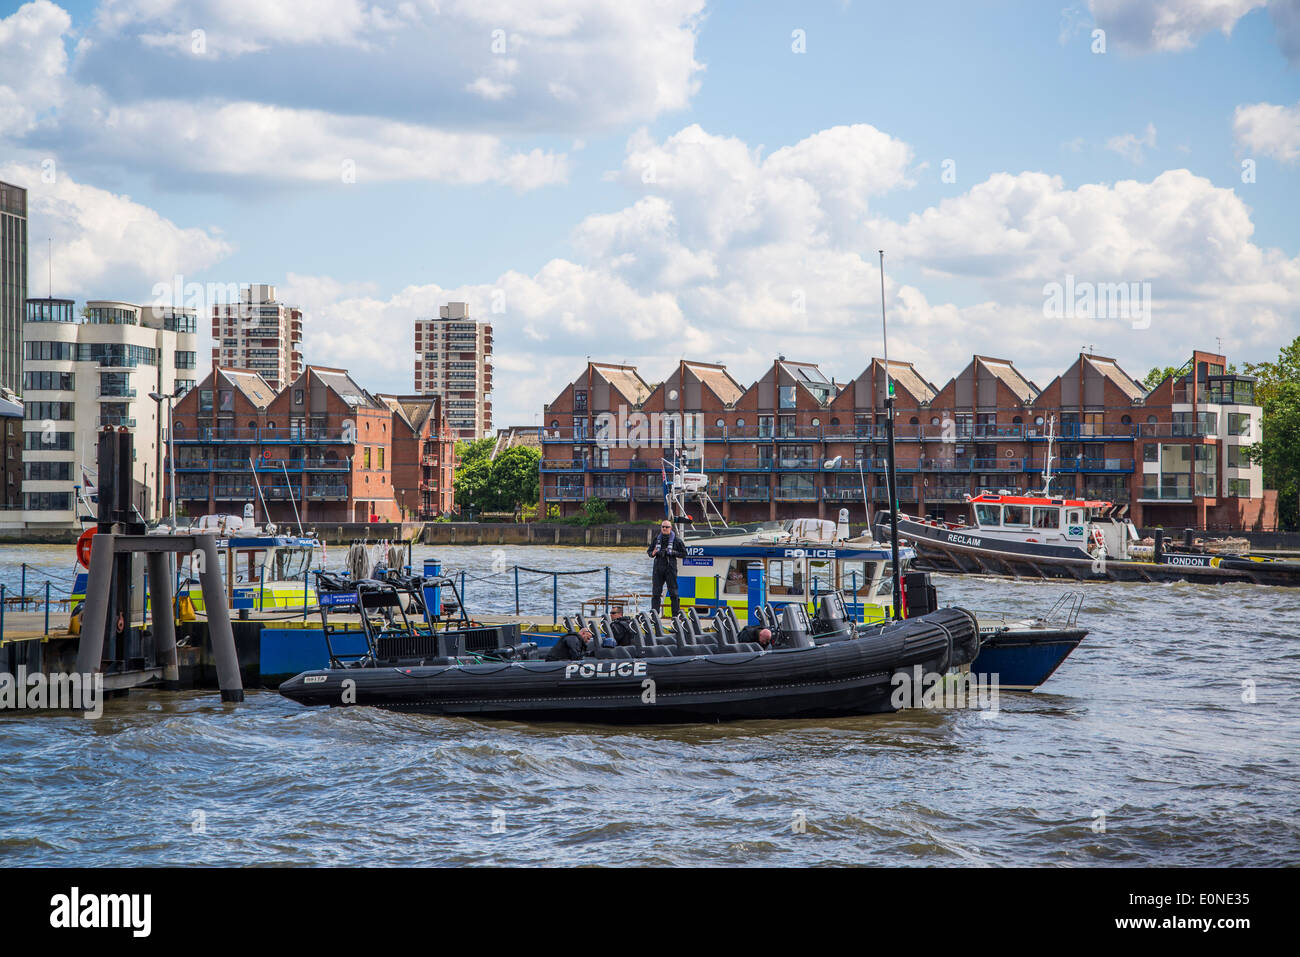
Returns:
<point x="117" y="393"/>
<point x="1073" y="465"/>
<point x="116" y="421"/>
<point x="232" y="493"/>
<point x="832" y="494"/>
<point x="612" y="493"/>
<point x="946" y="493"/>
<point x="562" y="465"/>
<point x="1181" y="493"/>
<point x="563" y="494"/>
<point x="749" y="494"/>
<point x="1120" y="496"/>
<point x="643" y="493"/>
<point x="327" y="492"/>
<point x="882" y="495"/>
<point x="796" y="494"/>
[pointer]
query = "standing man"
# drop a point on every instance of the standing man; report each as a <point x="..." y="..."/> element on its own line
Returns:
<point x="665" y="550"/>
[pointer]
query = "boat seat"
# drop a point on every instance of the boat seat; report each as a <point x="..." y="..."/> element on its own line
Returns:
<point x="652" y="624"/>
<point x="694" y="616"/>
<point x="748" y="646"/>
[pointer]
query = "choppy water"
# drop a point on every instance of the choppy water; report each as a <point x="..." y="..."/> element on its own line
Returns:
<point x="1145" y="724"/>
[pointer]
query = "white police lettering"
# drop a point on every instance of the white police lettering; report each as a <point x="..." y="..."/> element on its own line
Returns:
<point x="605" y="669"/>
<point x="810" y="553"/>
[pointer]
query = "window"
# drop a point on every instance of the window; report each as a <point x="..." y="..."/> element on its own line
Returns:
<point x="49" y="350"/>
<point x="365" y="457"/>
<point x="1015" y="515"/>
<point x="579" y="400"/>
<point x="48" y="471"/>
<point x="785" y="577"/>
<point x="1236" y="460"/>
<point x="787" y="397"/>
<point x="184" y="360"/>
<point x="297" y="396"/>
<point x="1046" y="518"/>
<point x="49" y="501"/>
<point x="1151" y="452"/>
<point x="720" y="423"/>
<point x="1239" y="423"/>
<point x="737" y="582"/>
<point x="821" y="575"/>
<point x="56" y="411"/>
<point x="381" y="457"/>
<point x="1239" y="487"/>
<point x="53" y="381"/>
<point x="740" y="423"/>
<point x="855" y="578"/>
<point x="205" y="402"/>
<point x="765" y="426"/>
<point x="988" y="515"/>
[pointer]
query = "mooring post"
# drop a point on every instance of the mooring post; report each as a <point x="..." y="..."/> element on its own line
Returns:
<point x="94" y="617"/>
<point x="516" y="589"/>
<point x="23" y="594"/>
<point x="219" y="629"/>
<point x="164" y="624"/>
<point x="555" y="598"/>
<point x="47" y="607"/>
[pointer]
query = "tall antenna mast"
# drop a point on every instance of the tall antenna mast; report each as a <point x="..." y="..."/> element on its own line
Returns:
<point x="891" y="471"/>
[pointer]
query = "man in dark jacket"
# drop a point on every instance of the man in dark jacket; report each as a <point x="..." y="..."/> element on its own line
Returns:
<point x="665" y="550"/>
<point x="571" y="647"/>
<point x="621" y="629"/>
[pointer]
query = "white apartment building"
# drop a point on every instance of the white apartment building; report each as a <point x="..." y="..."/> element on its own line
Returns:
<point x="259" y="334"/>
<point x="453" y="359"/>
<point x="84" y="372"/>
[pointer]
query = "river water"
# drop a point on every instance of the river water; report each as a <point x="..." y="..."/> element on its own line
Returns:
<point x="1142" y="749"/>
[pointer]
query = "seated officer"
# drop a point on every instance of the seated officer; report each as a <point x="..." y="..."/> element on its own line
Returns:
<point x="571" y="647"/>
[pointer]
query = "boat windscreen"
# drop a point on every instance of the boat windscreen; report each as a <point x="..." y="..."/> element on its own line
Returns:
<point x="291" y="563"/>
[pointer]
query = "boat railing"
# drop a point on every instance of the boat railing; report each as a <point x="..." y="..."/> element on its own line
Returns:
<point x="1064" y="613"/>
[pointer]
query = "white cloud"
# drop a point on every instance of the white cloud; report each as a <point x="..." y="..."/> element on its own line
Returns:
<point x="33" y="64"/>
<point x="707" y="261"/>
<point x="1133" y="147"/>
<point x="104" y="239"/>
<point x="405" y="91"/>
<point x="257" y="141"/>
<point x="1269" y="130"/>
<point x="1168" y="25"/>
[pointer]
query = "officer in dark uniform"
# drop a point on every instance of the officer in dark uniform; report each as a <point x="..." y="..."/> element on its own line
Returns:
<point x="665" y="550"/>
<point x="571" y="647"/>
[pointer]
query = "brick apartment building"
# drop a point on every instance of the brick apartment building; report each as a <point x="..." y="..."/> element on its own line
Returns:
<point x="424" y="456"/>
<point x="322" y="444"/>
<point x="453" y="359"/>
<point x="796" y="444"/>
<point x="259" y="333"/>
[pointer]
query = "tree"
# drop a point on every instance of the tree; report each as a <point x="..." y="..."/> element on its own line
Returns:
<point x="502" y="484"/>
<point x="1158" y="375"/>
<point x="1278" y="392"/>
<point x="515" y="476"/>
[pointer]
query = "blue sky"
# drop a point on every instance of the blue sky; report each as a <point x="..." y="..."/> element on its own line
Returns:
<point x="520" y="169"/>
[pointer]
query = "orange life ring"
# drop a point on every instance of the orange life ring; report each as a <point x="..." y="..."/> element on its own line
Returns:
<point x="1099" y="538"/>
<point x="83" y="547"/>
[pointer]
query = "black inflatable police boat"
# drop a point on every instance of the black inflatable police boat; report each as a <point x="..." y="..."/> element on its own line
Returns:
<point x="826" y="666"/>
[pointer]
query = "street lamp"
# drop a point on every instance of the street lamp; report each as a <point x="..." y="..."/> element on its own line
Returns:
<point x="171" y="449"/>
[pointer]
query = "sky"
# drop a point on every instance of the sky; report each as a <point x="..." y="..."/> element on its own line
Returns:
<point x="647" y="181"/>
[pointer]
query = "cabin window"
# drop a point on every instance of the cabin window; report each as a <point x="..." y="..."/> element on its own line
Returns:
<point x="988" y="515"/>
<point x="885" y="587"/>
<point x="1074" y="517"/>
<point x="1015" y="515"/>
<point x="1046" y="518"/>
<point x="737" y="581"/>
<point x="785" y="577"/>
<point x="821" y="575"/>
<point x="855" y="577"/>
